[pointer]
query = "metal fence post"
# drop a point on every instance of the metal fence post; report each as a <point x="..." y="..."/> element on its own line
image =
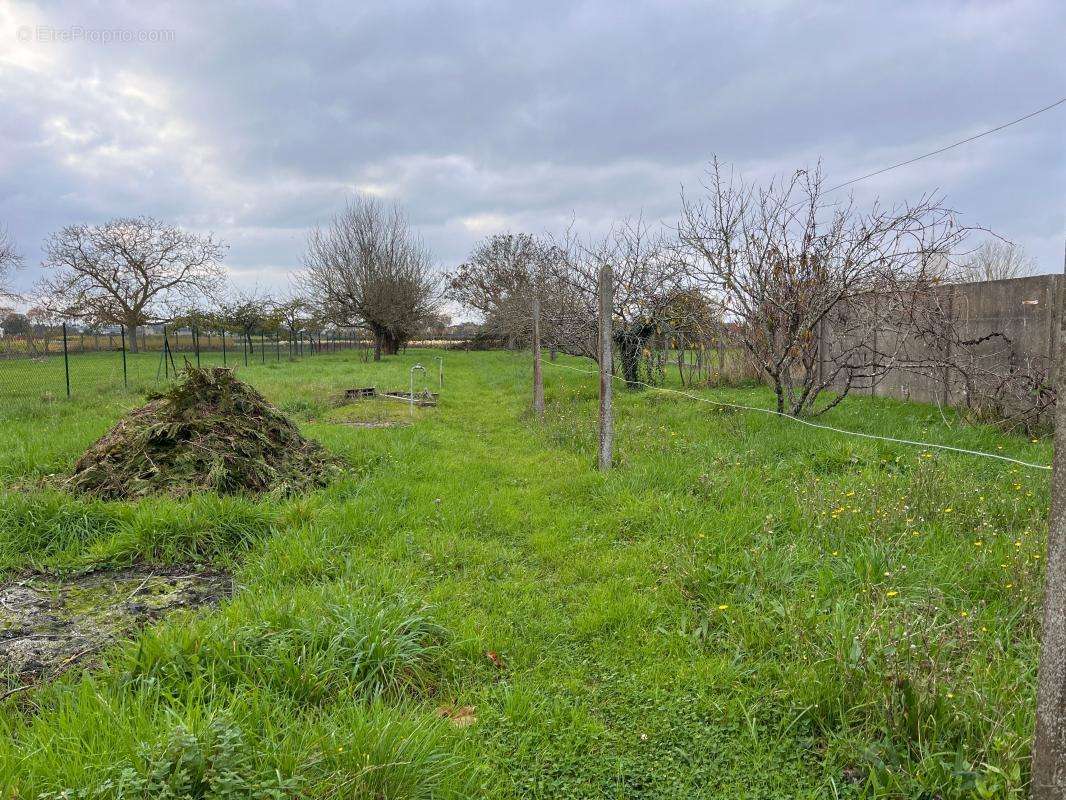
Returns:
<point x="196" y="344"/>
<point x="66" y="359"/>
<point x="223" y="333"/>
<point x="166" y="352"/>
<point x="125" y="376"/>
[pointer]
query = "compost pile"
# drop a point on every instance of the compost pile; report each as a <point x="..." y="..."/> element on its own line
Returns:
<point x="209" y="432"/>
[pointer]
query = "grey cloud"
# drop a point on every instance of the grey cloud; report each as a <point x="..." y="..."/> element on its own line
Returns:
<point x="258" y="120"/>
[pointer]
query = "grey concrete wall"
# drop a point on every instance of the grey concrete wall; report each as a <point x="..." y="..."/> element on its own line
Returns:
<point x="1024" y="309"/>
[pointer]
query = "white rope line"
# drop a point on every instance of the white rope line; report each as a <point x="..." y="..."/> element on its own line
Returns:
<point x="773" y="413"/>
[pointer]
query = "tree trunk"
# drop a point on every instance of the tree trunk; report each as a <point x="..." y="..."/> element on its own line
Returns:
<point x="391" y="343"/>
<point x="629" y="347"/>
<point x="131" y="336"/>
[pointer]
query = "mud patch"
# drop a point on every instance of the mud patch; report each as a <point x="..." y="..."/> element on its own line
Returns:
<point x="49" y="624"/>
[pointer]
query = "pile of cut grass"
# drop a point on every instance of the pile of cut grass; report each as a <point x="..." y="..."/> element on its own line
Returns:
<point x="207" y="432"/>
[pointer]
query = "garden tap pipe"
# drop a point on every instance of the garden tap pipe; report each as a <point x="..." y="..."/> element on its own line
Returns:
<point x="416" y="366"/>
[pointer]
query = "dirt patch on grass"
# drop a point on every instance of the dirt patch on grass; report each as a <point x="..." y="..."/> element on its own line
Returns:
<point x="380" y="423"/>
<point x="372" y="412"/>
<point x="208" y="432"/>
<point x="49" y="624"/>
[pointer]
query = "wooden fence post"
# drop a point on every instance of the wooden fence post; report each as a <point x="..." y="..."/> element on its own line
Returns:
<point x="606" y="293"/>
<point x="1049" y="745"/>
<point x="538" y="378"/>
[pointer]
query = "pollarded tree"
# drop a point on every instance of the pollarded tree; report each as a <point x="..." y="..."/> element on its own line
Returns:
<point x="821" y="295"/>
<point x="128" y="271"/>
<point x="366" y="269"/>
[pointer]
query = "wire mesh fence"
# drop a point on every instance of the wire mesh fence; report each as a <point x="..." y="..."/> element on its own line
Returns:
<point x="65" y="360"/>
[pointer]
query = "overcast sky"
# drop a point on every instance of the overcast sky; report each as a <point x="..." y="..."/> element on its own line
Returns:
<point x="256" y="121"/>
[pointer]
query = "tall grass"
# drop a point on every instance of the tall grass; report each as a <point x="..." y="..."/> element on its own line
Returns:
<point x="742" y="608"/>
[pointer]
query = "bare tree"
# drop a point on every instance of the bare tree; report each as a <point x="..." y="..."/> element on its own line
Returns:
<point x="367" y="270"/>
<point x="294" y="312"/>
<point x="498" y="281"/>
<point x="999" y="382"/>
<point x="10" y="260"/>
<point x="995" y="260"/>
<point x="823" y="296"/>
<point x="688" y="321"/>
<point x="647" y="275"/>
<point x="503" y="275"/>
<point x="128" y="270"/>
<point x="249" y="312"/>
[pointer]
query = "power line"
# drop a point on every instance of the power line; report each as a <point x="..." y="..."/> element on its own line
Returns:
<point x="809" y="424"/>
<point x="950" y="146"/>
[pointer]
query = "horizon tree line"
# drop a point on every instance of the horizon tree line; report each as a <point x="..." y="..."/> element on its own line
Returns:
<point x="365" y="270"/>
<point x="772" y="270"/>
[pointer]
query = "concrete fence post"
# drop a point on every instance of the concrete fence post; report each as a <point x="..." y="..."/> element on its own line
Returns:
<point x="1049" y="745"/>
<point x="1057" y="299"/>
<point x="538" y="377"/>
<point x="606" y="293"/>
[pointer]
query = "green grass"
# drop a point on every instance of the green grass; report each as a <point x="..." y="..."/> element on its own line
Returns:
<point x="743" y="608"/>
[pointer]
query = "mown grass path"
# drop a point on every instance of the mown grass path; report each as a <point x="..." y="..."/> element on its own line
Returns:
<point x="742" y="608"/>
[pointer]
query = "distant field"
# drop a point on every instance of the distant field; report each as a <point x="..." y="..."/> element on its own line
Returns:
<point x="93" y="373"/>
<point x="743" y="608"/>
